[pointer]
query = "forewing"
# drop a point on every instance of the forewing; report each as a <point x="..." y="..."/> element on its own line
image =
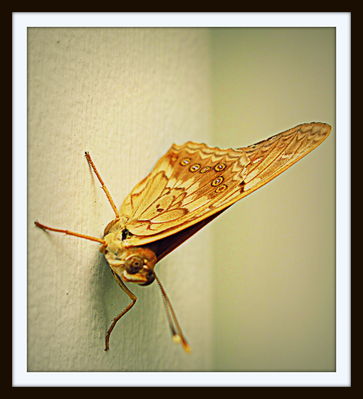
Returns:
<point x="191" y="182"/>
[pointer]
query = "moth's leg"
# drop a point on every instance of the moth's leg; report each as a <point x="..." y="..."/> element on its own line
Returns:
<point x="124" y="311"/>
<point x="103" y="186"/>
<point x="71" y="233"/>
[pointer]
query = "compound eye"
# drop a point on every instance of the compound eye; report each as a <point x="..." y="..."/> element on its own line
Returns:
<point x="150" y="278"/>
<point x="134" y="265"/>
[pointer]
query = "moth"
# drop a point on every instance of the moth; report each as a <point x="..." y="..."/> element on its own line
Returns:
<point x="188" y="187"/>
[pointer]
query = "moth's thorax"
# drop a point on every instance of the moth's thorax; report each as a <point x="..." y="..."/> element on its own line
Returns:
<point x="133" y="264"/>
<point x="116" y="225"/>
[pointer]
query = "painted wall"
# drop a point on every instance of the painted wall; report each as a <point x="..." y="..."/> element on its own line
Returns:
<point x="275" y="250"/>
<point x="124" y="95"/>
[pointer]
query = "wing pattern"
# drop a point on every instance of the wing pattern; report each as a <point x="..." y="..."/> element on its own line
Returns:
<point x="182" y="186"/>
<point x="193" y="181"/>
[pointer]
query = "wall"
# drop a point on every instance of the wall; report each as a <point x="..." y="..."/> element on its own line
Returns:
<point x="275" y="250"/>
<point x="124" y="95"/>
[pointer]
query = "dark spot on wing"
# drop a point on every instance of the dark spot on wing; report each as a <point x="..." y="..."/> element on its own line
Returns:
<point x="242" y="185"/>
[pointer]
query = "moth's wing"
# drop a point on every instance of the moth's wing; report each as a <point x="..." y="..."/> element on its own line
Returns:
<point x="167" y="244"/>
<point x="180" y="188"/>
<point x="192" y="182"/>
<point x="270" y="157"/>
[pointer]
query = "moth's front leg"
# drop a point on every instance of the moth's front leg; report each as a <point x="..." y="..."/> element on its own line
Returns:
<point x="124" y="311"/>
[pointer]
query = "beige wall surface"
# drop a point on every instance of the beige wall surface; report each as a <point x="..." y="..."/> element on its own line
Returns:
<point x="254" y="290"/>
<point x="124" y="95"/>
<point x="274" y="252"/>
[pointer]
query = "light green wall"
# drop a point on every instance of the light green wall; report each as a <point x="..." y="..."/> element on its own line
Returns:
<point x="274" y="251"/>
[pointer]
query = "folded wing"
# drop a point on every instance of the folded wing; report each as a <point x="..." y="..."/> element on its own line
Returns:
<point x="192" y="182"/>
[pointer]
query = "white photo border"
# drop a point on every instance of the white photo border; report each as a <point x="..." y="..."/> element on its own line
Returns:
<point x="342" y="23"/>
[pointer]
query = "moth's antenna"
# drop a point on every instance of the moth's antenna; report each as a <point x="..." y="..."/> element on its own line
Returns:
<point x="103" y="186"/>
<point x="176" y="331"/>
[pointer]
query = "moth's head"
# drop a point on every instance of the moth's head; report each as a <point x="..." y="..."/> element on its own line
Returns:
<point x="132" y="265"/>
